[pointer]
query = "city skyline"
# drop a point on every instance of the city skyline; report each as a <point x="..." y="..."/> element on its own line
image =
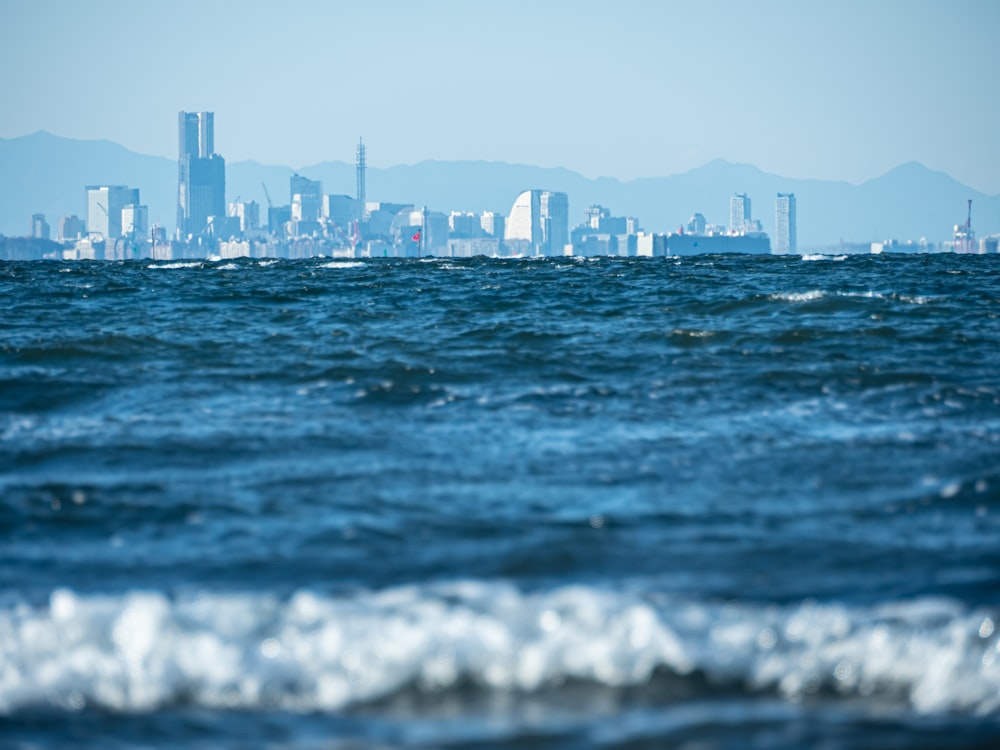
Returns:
<point x="38" y="168"/>
<point x="844" y="92"/>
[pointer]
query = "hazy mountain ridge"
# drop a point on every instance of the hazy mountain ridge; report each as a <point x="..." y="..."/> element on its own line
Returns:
<point x="44" y="173"/>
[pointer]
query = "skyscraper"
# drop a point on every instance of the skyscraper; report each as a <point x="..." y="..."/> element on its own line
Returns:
<point x="555" y="222"/>
<point x="540" y="220"/>
<point x="39" y="227"/>
<point x="739" y="213"/>
<point x="201" y="181"/>
<point x="785" y="240"/>
<point x="135" y="221"/>
<point x="104" y="208"/>
<point x="306" y="198"/>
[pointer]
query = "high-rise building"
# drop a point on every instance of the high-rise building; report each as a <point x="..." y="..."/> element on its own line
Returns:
<point x="201" y="181"/>
<point x="592" y="216"/>
<point x="524" y="223"/>
<point x="104" y="208"/>
<point x="71" y="228"/>
<point x="739" y="213"/>
<point x="696" y="224"/>
<point x="540" y="220"/>
<point x="785" y="240"/>
<point x="555" y="222"/>
<point x="248" y="212"/>
<point x="306" y="198"/>
<point x="341" y="210"/>
<point x="135" y="221"/>
<point x="464" y="225"/>
<point x="492" y="224"/>
<point x="39" y="227"/>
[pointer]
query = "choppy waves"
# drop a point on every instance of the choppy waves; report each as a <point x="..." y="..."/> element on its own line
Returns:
<point x="143" y="650"/>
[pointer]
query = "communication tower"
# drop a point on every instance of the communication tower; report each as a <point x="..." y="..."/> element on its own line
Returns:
<point x="361" y="173"/>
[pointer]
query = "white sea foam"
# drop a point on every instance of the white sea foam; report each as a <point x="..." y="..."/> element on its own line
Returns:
<point x="178" y="264"/>
<point x="342" y="264"/>
<point x="797" y="297"/>
<point x="143" y="650"/>
<point x="820" y="256"/>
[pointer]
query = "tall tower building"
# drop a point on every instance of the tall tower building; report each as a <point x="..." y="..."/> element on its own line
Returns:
<point x="361" y="167"/>
<point x="739" y="213"/>
<point x="555" y="222"/>
<point x="39" y="227"/>
<point x="135" y="221"/>
<point x="104" y="208"/>
<point x="201" y="180"/>
<point x="492" y="224"/>
<point x="540" y="220"/>
<point x="785" y="240"/>
<point x="306" y="198"/>
<point x="524" y="223"/>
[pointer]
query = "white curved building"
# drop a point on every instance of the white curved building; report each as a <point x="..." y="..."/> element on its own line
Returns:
<point x="524" y="221"/>
<point x="539" y="219"/>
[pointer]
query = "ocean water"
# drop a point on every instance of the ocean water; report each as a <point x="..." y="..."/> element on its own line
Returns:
<point x="705" y="502"/>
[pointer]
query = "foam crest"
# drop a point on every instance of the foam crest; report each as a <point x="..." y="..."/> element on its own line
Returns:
<point x="175" y="265"/>
<point x="343" y="264"/>
<point x="797" y="297"/>
<point x="143" y="650"/>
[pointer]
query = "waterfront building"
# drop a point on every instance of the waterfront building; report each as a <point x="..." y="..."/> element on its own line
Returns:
<point x="555" y="222"/>
<point x="306" y="198"/>
<point x="785" y="240"/>
<point x="649" y="244"/>
<point x="539" y="223"/>
<point x="435" y="233"/>
<point x="468" y="248"/>
<point x="223" y="227"/>
<point x="341" y="210"/>
<point x="248" y="212"/>
<point x="278" y="218"/>
<point x="71" y="228"/>
<point x="39" y="227"/>
<point x="381" y="219"/>
<point x="104" y="208"/>
<point x="201" y="180"/>
<point x="464" y="225"/>
<point x="492" y="224"/>
<point x="739" y="213"/>
<point x="692" y="244"/>
<point x="604" y="234"/>
<point x="135" y="221"/>
<point x="524" y="223"/>
<point x="593" y="215"/>
<point x="697" y="224"/>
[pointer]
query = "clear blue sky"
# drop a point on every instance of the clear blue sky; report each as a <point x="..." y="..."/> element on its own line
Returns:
<point x="832" y="90"/>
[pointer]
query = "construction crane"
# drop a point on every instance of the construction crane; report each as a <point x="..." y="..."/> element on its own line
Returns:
<point x="965" y="238"/>
<point x="267" y="195"/>
<point x="104" y="211"/>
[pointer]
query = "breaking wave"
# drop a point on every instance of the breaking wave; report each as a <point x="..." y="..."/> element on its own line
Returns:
<point x="144" y="650"/>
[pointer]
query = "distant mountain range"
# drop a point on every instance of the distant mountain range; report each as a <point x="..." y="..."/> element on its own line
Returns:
<point x="44" y="173"/>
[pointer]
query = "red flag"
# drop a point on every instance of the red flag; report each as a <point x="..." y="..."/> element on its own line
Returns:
<point x="416" y="237"/>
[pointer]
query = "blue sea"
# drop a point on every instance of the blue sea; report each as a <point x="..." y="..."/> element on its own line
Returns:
<point x="701" y="502"/>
